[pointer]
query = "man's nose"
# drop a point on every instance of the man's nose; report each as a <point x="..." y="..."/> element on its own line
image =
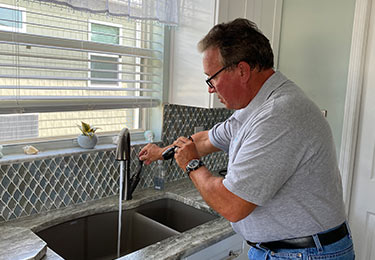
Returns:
<point x="211" y="90"/>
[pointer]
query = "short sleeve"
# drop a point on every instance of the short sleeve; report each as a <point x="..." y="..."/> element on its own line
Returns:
<point x="221" y="134"/>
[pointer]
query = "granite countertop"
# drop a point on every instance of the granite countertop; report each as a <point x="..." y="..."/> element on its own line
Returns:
<point x="174" y="247"/>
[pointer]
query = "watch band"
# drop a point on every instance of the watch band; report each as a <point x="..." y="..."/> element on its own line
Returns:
<point x="193" y="165"/>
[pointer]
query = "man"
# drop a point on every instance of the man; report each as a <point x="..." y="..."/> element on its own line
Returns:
<point x="282" y="191"/>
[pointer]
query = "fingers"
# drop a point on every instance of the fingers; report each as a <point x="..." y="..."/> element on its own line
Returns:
<point x="146" y="162"/>
<point x="181" y="141"/>
<point x="144" y="150"/>
<point x="152" y="152"/>
<point x="143" y="153"/>
<point x="149" y="153"/>
<point x="143" y="158"/>
<point x="185" y="151"/>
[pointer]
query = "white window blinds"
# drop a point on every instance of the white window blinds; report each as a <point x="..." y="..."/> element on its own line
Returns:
<point x="58" y="64"/>
<point x="57" y="59"/>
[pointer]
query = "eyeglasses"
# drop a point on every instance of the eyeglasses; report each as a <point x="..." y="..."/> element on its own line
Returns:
<point x="208" y="81"/>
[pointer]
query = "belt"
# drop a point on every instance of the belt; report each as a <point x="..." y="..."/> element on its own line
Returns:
<point x="305" y="242"/>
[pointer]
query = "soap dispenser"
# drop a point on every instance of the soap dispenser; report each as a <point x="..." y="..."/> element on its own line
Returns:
<point x="160" y="175"/>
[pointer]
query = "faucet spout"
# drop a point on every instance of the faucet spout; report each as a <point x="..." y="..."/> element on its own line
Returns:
<point x="123" y="155"/>
<point x="123" y="146"/>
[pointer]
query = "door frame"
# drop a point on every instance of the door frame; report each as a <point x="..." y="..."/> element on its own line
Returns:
<point x="354" y="88"/>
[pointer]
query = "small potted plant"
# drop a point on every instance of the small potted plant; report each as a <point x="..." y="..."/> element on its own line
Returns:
<point x="88" y="138"/>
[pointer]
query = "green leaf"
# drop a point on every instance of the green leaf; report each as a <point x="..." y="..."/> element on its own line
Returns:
<point x="86" y="129"/>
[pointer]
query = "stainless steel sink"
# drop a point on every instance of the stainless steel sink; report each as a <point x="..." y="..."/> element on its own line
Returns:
<point x="95" y="236"/>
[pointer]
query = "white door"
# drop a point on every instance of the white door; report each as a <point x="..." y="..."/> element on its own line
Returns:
<point x="362" y="204"/>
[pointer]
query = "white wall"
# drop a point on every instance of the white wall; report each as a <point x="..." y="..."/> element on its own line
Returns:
<point x="314" y="52"/>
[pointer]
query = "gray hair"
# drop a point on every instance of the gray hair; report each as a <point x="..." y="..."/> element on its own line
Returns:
<point x="239" y="40"/>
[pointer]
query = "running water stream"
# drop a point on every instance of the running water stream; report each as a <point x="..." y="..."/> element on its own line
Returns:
<point x="129" y="184"/>
<point x="122" y="168"/>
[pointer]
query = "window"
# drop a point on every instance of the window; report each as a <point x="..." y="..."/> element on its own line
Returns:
<point x="105" y="33"/>
<point x="104" y="69"/>
<point x="68" y="66"/>
<point x="12" y="18"/>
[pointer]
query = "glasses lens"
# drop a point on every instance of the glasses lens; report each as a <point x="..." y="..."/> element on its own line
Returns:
<point x="209" y="83"/>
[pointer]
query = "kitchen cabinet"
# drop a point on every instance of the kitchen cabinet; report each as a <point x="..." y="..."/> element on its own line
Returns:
<point x="229" y="248"/>
<point x="197" y="17"/>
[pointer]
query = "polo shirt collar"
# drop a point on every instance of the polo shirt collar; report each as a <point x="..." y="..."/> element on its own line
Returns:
<point x="271" y="84"/>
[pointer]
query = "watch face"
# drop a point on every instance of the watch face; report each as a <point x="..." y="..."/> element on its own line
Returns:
<point x="194" y="163"/>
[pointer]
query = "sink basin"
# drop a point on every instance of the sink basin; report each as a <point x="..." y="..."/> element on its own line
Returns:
<point x="95" y="236"/>
<point x="175" y="214"/>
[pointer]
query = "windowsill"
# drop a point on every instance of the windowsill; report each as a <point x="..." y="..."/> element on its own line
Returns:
<point x="58" y="152"/>
<point x="15" y="158"/>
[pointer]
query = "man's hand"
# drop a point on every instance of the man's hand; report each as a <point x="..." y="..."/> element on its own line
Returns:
<point x="185" y="152"/>
<point x="150" y="153"/>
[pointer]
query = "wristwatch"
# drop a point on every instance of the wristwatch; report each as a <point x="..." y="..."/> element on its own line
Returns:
<point x="193" y="165"/>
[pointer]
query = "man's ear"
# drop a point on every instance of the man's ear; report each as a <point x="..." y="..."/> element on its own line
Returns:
<point x="245" y="71"/>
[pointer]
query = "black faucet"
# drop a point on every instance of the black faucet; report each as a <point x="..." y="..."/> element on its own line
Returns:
<point x="123" y="155"/>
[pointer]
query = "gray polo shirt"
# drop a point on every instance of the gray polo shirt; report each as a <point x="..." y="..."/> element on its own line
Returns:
<point x="281" y="158"/>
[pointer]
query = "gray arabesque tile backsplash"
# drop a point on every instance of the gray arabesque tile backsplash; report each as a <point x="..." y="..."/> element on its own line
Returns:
<point x="32" y="187"/>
